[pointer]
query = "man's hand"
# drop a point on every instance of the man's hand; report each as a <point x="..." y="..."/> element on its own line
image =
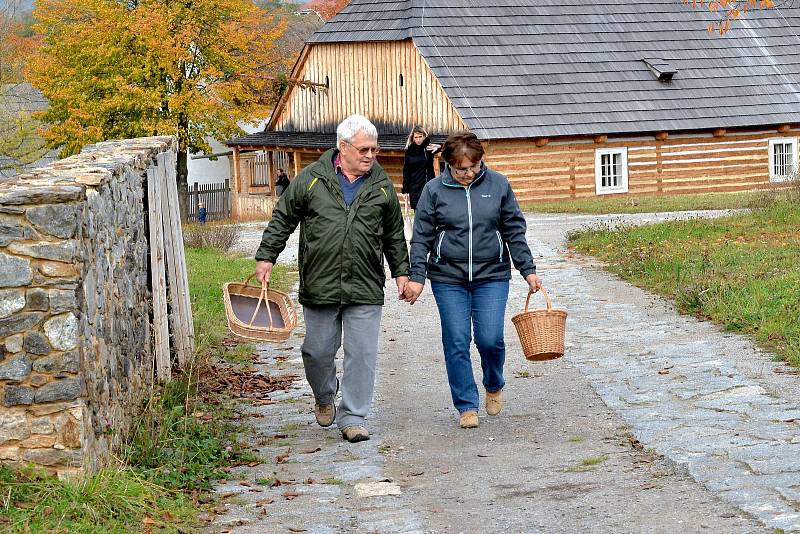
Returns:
<point x="534" y="283"/>
<point x="412" y="292"/>
<point x="263" y="271"/>
<point x="401" y="282"/>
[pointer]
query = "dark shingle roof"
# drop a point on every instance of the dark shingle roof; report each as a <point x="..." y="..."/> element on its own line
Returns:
<point x="525" y="68"/>
<point x="316" y="140"/>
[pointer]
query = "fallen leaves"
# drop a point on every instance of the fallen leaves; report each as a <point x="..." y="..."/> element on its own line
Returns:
<point x="244" y="383"/>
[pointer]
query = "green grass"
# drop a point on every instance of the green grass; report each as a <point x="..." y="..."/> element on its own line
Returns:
<point x="179" y="444"/>
<point x="645" y="204"/>
<point x="594" y="460"/>
<point x="115" y="499"/>
<point x="740" y="271"/>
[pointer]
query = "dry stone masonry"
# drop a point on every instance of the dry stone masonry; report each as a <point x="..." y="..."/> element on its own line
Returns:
<point x="75" y="347"/>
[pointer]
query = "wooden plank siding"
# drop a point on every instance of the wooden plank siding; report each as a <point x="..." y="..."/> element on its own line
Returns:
<point x="364" y="78"/>
<point x="689" y="163"/>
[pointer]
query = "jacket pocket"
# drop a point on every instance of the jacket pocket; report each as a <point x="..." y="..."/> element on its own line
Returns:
<point x="500" y="241"/>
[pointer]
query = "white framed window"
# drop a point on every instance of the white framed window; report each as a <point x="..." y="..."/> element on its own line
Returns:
<point x="782" y="158"/>
<point x="611" y="170"/>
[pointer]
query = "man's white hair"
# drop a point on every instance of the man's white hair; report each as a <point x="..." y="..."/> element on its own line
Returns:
<point x="349" y="128"/>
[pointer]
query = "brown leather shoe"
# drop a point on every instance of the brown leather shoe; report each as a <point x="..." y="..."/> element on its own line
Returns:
<point x="494" y="402"/>
<point x="325" y="414"/>
<point x="469" y="420"/>
<point x="354" y="434"/>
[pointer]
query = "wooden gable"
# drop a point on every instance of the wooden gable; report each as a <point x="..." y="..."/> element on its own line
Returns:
<point x="387" y="81"/>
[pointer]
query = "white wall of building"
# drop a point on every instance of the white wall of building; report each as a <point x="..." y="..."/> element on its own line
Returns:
<point x="206" y="171"/>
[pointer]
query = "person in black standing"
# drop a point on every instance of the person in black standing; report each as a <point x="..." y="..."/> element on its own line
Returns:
<point x="281" y="182"/>
<point x="418" y="165"/>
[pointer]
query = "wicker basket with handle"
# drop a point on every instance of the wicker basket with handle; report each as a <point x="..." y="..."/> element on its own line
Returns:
<point x="541" y="332"/>
<point x="258" y="313"/>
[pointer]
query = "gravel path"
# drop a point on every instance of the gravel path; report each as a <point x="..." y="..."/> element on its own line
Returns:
<point x="652" y="422"/>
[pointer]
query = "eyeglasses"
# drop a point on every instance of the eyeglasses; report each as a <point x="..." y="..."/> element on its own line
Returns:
<point x="363" y="151"/>
<point x="457" y="171"/>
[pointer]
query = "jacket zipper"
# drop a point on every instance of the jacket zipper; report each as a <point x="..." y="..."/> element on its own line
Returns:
<point x="469" y="216"/>
<point x="439" y="247"/>
<point x="500" y="240"/>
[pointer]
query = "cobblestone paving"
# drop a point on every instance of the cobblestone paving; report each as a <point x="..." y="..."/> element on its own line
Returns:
<point x="710" y="401"/>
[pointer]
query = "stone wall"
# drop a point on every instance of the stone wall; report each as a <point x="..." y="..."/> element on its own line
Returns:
<point x="75" y="343"/>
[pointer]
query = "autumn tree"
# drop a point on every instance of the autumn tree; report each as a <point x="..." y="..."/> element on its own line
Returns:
<point x="120" y="69"/>
<point x="20" y="144"/>
<point x="326" y="8"/>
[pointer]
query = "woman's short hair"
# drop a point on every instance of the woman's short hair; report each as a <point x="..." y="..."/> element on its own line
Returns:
<point x="462" y="145"/>
<point x="349" y="128"/>
<point x="415" y="130"/>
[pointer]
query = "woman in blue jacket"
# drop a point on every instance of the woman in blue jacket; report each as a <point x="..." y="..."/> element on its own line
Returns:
<point x="468" y="229"/>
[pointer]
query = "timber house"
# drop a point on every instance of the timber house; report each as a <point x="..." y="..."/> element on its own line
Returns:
<point x="571" y="98"/>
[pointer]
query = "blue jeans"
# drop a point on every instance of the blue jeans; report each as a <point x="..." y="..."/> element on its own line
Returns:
<point x="478" y="306"/>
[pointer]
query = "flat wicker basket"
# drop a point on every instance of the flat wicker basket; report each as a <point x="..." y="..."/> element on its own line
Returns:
<point x="258" y="313"/>
<point x="541" y="332"/>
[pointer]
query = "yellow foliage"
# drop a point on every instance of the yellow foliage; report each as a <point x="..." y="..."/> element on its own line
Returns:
<point x="191" y="68"/>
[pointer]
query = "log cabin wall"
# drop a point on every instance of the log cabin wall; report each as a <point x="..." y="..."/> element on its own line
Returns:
<point x="365" y="78"/>
<point x="686" y="163"/>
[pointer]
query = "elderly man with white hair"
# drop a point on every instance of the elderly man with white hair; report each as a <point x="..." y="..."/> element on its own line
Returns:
<point x="349" y="219"/>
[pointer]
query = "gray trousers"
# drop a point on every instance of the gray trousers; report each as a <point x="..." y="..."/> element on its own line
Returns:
<point x="356" y="326"/>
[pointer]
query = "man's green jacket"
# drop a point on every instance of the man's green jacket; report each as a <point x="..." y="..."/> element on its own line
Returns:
<point x="341" y="249"/>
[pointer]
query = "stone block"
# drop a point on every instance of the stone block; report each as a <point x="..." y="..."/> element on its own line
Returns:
<point x="37" y="299"/>
<point x="10" y="230"/>
<point x="62" y="251"/>
<point x="13" y="343"/>
<point x="69" y="362"/>
<point x="11" y="301"/>
<point x="17" y="395"/>
<point x="14" y="271"/>
<point x="15" y="369"/>
<point x="37" y="380"/>
<point x="52" y="457"/>
<point x="59" y="220"/>
<point x="36" y="343"/>
<point x="70" y="434"/>
<point x="62" y="331"/>
<point x="19" y="323"/>
<point x="9" y="453"/>
<point x="62" y="300"/>
<point x="42" y="425"/>
<point x="21" y="195"/>
<point x="57" y="269"/>
<point x="48" y="409"/>
<point x="13" y="426"/>
<point x="59" y="390"/>
<point x="38" y="441"/>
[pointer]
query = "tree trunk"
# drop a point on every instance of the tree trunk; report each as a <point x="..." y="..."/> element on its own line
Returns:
<point x="183" y="184"/>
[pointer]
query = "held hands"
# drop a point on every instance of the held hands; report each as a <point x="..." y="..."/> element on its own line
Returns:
<point x="402" y="282"/>
<point x="263" y="271"/>
<point x="412" y="292"/>
<point x="534" y="283"/>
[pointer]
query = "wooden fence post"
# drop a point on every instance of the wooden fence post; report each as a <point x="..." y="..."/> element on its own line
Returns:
<point x="158" y="275"/>
<point x="226" y="195"/>
<point x="196" y="202"/>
